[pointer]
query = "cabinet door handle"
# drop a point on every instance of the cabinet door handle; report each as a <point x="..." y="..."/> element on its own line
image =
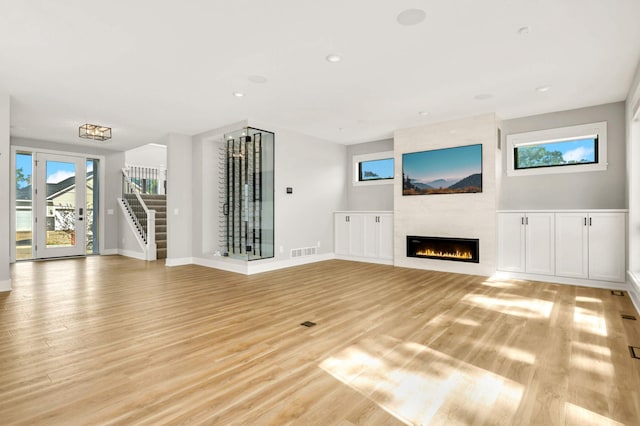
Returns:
<point x="590" y="221"/>
<point x="585" y="221"/>
<point x="346" y="218"/>
<point x="522" y="220"/>
<point x="526" y="221"/>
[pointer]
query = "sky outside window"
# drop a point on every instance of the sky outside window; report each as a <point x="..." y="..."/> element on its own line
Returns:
<point x="376" y="169"/>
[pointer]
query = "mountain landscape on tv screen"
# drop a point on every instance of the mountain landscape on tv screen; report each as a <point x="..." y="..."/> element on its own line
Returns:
<point x="471" y="183"/>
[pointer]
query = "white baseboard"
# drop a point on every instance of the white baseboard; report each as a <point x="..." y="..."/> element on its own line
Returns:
<point x="109" y="252"/>
<point x="133" y="254"/>
<point x="266" y="265"/>
<point x="364" y="259"/>
<point x="179" y="261"/>
<point x="562" y="280"/>
<point x="634" y="289"/>
<point x="5" y="285"/>
<point x="258" y="266"/>
<point x="223" y="263"/>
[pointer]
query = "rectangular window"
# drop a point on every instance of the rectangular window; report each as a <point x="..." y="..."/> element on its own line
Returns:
<point x="581" y="148"/>
<point x="375" y="170"/>
<point x="24" y="205"/>
<point x="557" y="153"/>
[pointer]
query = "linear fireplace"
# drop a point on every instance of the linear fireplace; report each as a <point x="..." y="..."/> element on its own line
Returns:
<point x="457" y="249"/>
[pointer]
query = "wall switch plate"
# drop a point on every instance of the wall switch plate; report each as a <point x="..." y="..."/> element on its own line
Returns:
<point x="289" y="190"/>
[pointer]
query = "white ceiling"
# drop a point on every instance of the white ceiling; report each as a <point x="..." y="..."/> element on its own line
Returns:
<point x="147" y="68"/>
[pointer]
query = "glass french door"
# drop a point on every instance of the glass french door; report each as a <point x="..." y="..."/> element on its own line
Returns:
<point x="60" y="206"/>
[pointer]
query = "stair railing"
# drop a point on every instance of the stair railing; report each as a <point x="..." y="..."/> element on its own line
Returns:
<point x="148" y="180"/>
<point x="144" y="218"/>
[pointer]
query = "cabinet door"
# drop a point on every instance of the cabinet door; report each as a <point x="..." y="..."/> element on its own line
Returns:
<point x="341" y="234"/>
<point x="386" y="238"/>
<point x="572" y="245"/>
<point x="511" y="242"/>
<point x="540" y="243"/>
<point x="356" y="234"/>
<point x="607" y="245"/>
<point x="371" y="235"/>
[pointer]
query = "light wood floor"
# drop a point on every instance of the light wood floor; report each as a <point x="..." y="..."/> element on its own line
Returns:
<point x="111" y="340"/>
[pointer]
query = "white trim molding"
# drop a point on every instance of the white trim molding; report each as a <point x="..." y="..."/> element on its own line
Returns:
<point x="5" y="285"/>
<point x="257" y="266"/>
<point x="179" y="261"/>
<point x="517" y="140"/>
<point x="634" y="289"/>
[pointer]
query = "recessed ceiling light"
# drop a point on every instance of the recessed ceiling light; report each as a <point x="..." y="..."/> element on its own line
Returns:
<point x="423" y="113"/>
<point x="411" y="17"/>
<point x="238" y="94"/>
<point x="524" y="31"/>
<point x="257" y="79"/>
<point x="483" y="97"/>
<point x="333" y="58"/>
<point x="543" y="89"/>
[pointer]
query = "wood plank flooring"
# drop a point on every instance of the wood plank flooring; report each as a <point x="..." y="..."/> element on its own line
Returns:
<point x="111" y="340"/>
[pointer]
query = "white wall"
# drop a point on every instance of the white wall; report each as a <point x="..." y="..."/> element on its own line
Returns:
<point x="150" y="155"/>
<point x="586" y="190"/>
<point x="368" y="197"/>
<point x="316" y="170"/>
<point x="449" y="215"/>
<point x="179" y="199"/>
<point x="633" y="183"/>
<point x="5" y="194"/>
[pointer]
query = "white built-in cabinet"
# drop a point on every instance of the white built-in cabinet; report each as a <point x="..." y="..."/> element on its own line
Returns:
<point x="586" y="245"/>
<point x="526" y="242"/>
<point x="364" y="236"/>
<point x="591" y="245"/>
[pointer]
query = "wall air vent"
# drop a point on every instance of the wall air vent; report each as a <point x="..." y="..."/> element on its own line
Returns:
<point x="305" y="251"/>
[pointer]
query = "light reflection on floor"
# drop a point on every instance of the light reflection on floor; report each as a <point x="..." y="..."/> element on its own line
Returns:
<point x="513" y="305"/>
<point x="576" y="415"/>
<point x="418" y="387"/>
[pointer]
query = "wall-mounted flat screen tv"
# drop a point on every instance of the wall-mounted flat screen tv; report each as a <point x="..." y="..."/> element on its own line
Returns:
<point x="443" y="171"/>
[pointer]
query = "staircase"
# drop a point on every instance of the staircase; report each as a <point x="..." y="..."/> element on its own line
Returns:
<point x="159" y="204"/>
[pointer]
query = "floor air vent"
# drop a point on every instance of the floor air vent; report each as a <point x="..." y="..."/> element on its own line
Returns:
<point x="308" y="324"/>
<point x="305" y="251"/>
<point x="635" y="352"/>
<point x="617" y="292"/>
<point x="628" y="317"/>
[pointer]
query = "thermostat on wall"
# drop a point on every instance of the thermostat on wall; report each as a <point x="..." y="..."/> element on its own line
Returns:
<point x="289" y="190"/>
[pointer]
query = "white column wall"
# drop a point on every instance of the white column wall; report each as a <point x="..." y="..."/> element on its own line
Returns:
<point x="179" y="199"/>
<point x="449" y="215"/>
<point x="633" y="186"/>
<point x="5" y="193"/>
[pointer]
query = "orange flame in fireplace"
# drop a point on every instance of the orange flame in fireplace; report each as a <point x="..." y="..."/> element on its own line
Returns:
<point x="455" y="255"/>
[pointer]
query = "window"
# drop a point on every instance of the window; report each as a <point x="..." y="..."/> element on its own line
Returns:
<point x="564" y="150"/>
<point x="376" y="169"/>
<point x="373" y="169"/>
